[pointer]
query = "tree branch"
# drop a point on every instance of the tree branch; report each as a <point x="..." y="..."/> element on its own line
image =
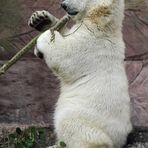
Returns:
<point x="29" y="46"/>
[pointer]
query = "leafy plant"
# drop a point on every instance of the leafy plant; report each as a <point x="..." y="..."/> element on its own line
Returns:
<point x="62" y="144"/>
<point x="23" y="139"/>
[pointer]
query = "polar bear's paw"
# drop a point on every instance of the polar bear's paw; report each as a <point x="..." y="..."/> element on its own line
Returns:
<point x="40" y="20"/>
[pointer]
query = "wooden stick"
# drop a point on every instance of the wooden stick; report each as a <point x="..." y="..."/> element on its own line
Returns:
<point x="62" y="22"/>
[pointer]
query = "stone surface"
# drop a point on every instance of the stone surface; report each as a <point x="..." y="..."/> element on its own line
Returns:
<point x="138" y="88"/>
<point x="28" y="92"/>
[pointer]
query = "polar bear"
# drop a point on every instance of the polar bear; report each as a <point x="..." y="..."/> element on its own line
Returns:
<point x="93" y="109"/>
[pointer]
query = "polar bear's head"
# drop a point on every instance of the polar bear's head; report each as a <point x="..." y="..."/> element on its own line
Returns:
<point x="80" y="8"/>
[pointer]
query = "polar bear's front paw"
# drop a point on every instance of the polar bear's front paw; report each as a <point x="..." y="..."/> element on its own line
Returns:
<point x="40" y="20"/>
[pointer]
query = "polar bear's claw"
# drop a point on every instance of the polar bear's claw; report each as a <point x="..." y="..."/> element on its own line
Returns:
<point x="41" y="19"/>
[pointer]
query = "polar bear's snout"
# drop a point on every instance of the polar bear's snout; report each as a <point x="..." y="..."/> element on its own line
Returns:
<point x="69" y="9"/>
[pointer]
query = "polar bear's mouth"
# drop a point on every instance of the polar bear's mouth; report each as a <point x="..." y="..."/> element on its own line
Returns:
<point x="72" y="12"/>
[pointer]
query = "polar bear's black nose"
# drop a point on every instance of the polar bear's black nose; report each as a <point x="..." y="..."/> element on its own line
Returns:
<point x="69" y="10"/>
<point x="64" y="6"/>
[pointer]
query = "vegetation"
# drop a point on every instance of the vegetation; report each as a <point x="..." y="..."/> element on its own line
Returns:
<point x="30" y="138"/>
<point x="23" y="139"/>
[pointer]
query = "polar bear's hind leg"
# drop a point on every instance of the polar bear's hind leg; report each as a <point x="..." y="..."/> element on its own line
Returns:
<point x="81" y="135"/>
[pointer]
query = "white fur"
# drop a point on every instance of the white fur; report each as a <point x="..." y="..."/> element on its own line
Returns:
<point x="93" y="110"/>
